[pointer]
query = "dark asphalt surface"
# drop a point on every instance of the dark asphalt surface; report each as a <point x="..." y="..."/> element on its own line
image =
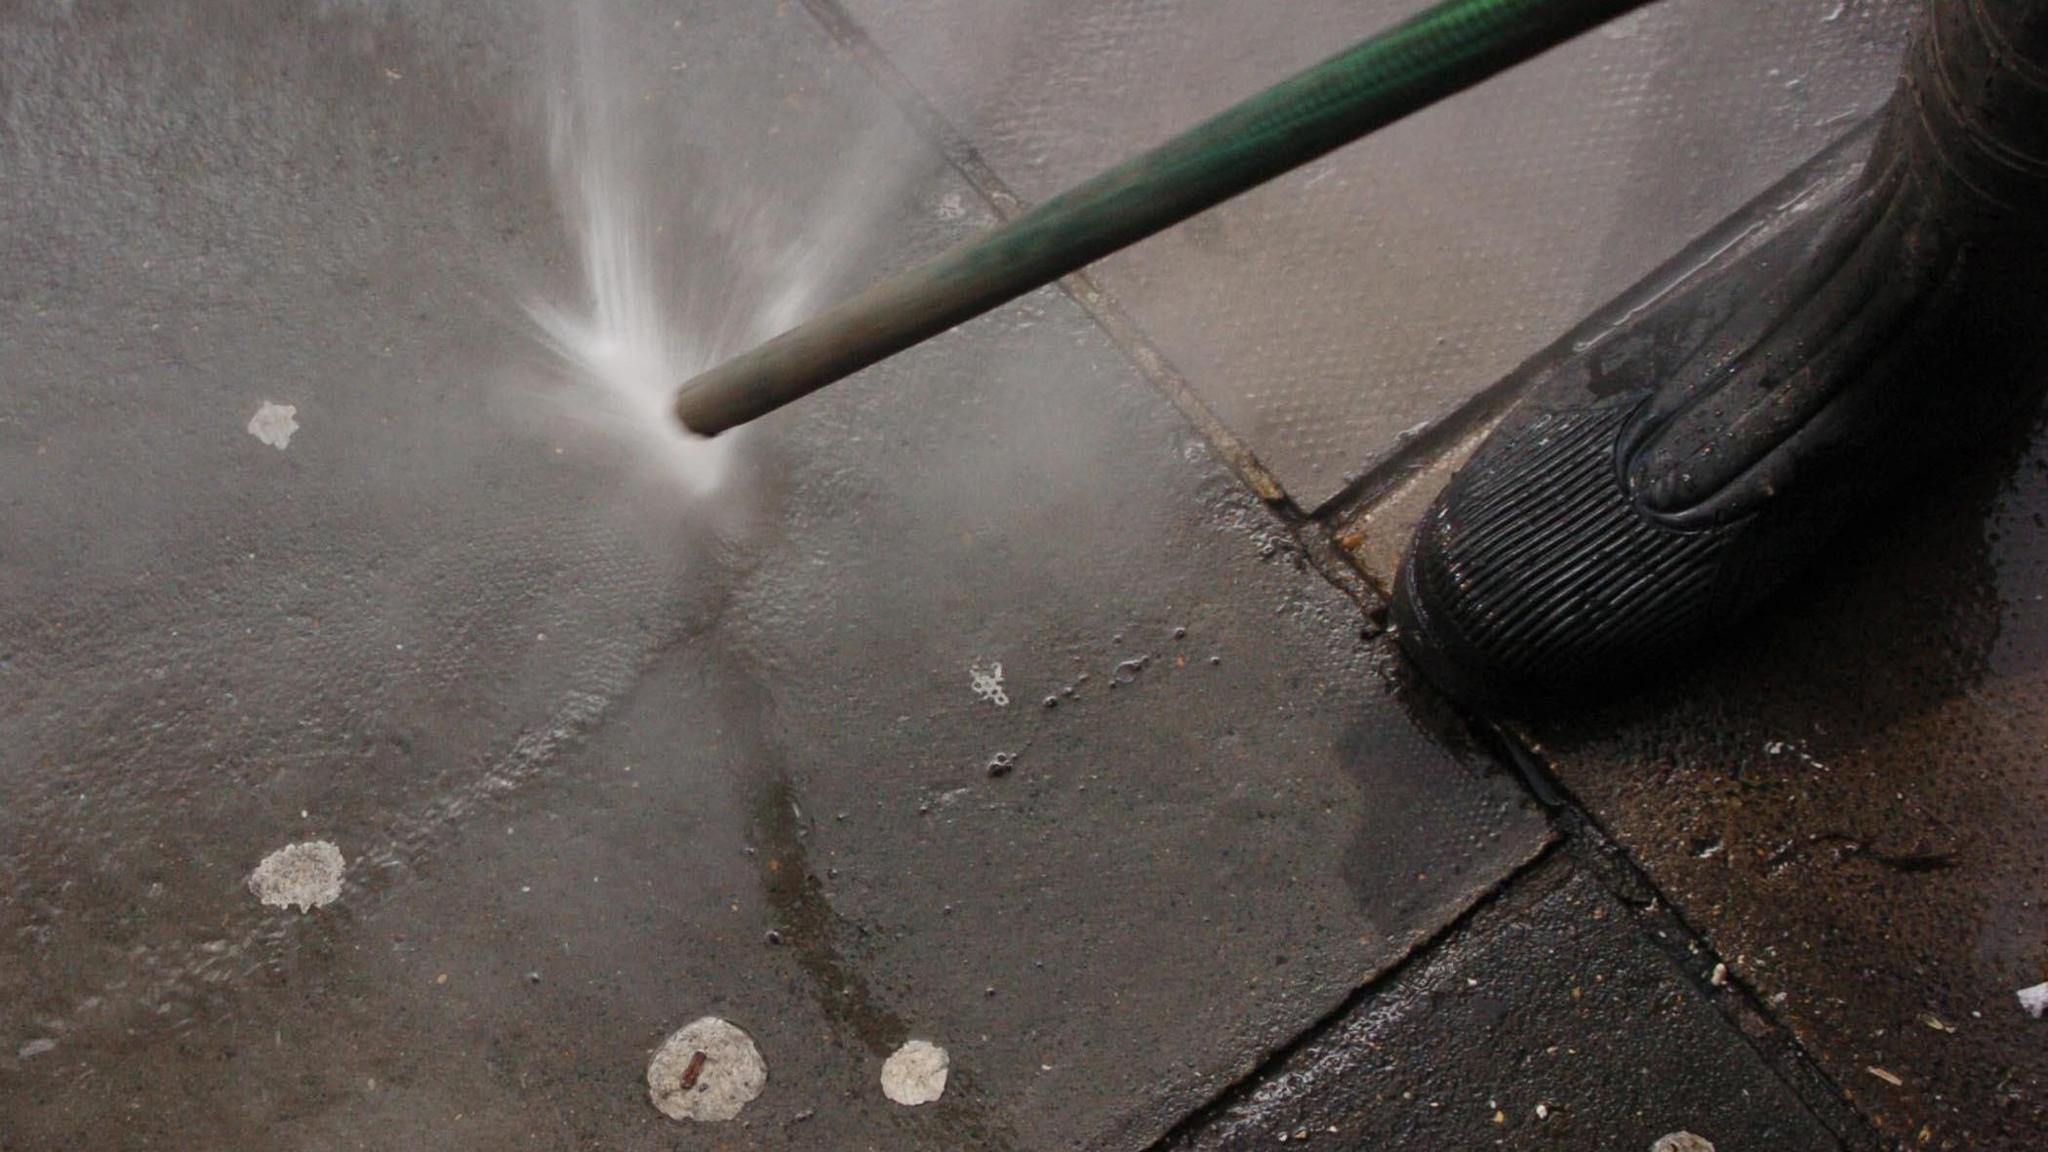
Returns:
<point x="602" y="760"/>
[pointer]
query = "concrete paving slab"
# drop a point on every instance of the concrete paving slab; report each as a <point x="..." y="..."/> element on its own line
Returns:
<point x="1547" y="1021"/>
<point x="1849" y="801"/>
<point x="1329" y="315"/>
<point x="599" y="761"/>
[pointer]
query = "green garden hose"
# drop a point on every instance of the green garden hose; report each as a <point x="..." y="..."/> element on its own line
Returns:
<point x="1426" y="58"/>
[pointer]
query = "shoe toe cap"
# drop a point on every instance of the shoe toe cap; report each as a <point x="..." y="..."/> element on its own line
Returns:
<point x="1536" y="574"/>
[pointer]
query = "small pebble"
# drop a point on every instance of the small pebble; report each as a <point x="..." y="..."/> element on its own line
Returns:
<point x="1682" y="1142"/>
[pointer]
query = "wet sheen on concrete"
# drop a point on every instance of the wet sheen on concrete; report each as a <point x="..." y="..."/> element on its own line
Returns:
<point x="1849" y="801"/>
<point x="1333" y="313"/>
<point x="1548" y="1021"/>
<point x="599" y="767"/>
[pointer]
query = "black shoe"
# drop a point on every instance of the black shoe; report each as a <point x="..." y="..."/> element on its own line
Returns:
<point x="1625" y="510"/>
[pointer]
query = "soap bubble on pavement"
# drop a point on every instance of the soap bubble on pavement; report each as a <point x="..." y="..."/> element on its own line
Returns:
<point x="987" y="682"/>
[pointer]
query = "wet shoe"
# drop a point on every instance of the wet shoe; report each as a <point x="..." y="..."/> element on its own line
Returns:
<point x="1652" y="491"/>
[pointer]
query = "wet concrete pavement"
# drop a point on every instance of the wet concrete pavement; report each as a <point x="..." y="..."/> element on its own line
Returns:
<point x="602" y="760"/>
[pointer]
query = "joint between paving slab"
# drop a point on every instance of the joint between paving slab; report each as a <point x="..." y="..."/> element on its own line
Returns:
<point x="1584" y="839"/>
<point x="1509" y="886"/>
<point x="844" y="31"/>
<point x="1412" y="456"/>
<point x="1581" y="836"/>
